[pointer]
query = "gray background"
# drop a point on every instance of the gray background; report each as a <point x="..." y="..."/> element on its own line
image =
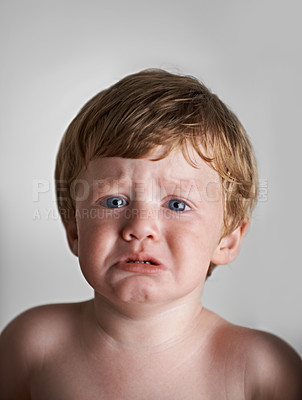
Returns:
<point x="56" y="54"/>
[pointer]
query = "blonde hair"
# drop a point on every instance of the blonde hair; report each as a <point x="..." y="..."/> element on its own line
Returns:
<point x="152" y="108"/>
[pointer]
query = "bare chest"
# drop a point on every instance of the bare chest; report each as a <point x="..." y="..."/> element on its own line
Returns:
<point x="116" y="377"/>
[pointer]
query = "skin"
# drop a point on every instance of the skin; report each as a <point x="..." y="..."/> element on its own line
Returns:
<point x="145" y="334"/>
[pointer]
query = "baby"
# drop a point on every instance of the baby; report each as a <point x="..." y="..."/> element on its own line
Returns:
<point x="156" y="181"/>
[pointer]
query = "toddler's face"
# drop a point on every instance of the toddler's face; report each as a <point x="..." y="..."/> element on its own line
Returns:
<point x="147" y="230"/>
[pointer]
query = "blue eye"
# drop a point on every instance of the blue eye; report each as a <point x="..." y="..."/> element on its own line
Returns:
<point x="114" y="202"/>
<point x="177" y="205"/>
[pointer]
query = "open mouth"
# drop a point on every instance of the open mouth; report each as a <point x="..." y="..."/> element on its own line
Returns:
<point x="140" y="262"/>
<point x="141" y="259"/>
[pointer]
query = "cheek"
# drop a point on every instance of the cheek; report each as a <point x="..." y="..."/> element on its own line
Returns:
<point x="193" y="242"/>
<point x="185" y="243"/>
<point x="96" y="236"/>
<point x="190" y="259"/>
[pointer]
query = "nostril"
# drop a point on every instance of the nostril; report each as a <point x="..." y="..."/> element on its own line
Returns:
<point x="138" y="235"/>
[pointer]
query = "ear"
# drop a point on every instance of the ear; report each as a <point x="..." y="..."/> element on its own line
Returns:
<point x="72" y="235"/>
<point x="229" y="246"/>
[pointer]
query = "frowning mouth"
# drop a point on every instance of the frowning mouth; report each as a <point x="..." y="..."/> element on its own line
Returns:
<point x="140" y="264"/>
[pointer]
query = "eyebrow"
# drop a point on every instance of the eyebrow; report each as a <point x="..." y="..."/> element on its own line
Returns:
<point x="123" y="178"/>
<point x="109" y="181"/>
<point x="166" y="185"/>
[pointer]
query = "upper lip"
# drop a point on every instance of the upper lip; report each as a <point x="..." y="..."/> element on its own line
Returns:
<point x="140" y="257"/>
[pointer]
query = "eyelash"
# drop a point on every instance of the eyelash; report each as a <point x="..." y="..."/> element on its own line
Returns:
<point x="104" y="203"/>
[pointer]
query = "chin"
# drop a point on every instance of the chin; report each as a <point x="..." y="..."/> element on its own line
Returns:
<point x="137" y="289"/>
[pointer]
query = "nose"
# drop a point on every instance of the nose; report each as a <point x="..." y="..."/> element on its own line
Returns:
<point x="141" y="223"/>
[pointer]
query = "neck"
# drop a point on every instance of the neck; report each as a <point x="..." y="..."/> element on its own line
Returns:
<point x="148" y="327"/>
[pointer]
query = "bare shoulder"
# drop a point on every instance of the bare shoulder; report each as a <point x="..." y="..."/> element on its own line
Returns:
<point x="272" y="368"/>
<point x="276" y="367"/>
<point x="41" y="327"/>
<point x="28" y="339"/>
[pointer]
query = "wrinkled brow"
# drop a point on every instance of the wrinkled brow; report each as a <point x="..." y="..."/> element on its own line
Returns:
<point x="163" y="186"/>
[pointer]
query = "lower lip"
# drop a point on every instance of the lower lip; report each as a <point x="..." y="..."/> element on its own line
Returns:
<point x="140" y="268"/>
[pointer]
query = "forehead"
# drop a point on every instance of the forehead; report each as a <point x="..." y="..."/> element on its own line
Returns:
<point x="173" y="168"/>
